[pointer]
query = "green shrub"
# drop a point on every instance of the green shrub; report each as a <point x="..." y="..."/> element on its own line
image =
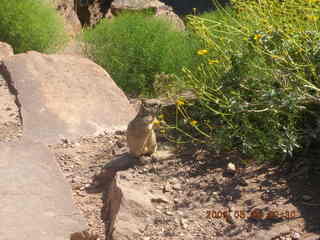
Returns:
<point x="30" y="25"/>
<point x="260" y="77"/>
<point x="135" y="47"/>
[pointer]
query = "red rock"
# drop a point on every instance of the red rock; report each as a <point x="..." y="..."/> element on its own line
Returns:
<point x="64" y="96"/>
<point x="36" y="201"/>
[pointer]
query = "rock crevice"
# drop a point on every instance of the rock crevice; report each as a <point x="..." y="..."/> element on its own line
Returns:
<point x="13" y="90"/>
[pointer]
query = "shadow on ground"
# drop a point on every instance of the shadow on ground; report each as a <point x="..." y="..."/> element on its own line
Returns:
<point x="288" y="200"/>
<point x="184" y="7"/>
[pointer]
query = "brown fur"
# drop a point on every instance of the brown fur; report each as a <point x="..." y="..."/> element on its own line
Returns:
<point x="141" y="136"/>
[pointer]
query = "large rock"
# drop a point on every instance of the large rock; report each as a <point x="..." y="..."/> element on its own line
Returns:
<point x="36" y="201"/>
<point x="136" y="211"/>
<point x="160" y="9"/>
<point x="112" y="199"/>
<point x="128" y="207"/>
<point x="64" y="96"/>
<point x="5" y="50"/>
<point x="66" y="9"/>
<point x="167" y="13"/>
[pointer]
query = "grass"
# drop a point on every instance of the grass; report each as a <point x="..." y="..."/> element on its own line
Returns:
<point x="136" y="48"/>
<point x="30" y="25"/>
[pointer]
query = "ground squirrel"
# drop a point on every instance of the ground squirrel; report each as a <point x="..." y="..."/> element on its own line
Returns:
<point x="140" y="133"/>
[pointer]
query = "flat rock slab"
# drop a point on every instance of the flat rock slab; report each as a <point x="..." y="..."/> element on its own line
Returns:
<point x="36" y="201"/>
<point x="64" y="96"/>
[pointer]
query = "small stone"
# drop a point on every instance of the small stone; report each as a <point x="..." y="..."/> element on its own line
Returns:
<point x="183" y="223"/>
<point x="166" y="188"/>
<point x="242" y="182"/>
<point x="77" y="179"/>
<point x="306" y="198"/>
<point x="76" y="186"/>
<point x="120" y="144"/>
<point x="168" y="213"/>
<point x="159" y="200"/>
<point x="202" y="193"/>
<point x="179" y="213"/>
<point x="177" y="186"/>
<point x="231" y="168"/>
<point x="257" y="214"/>
<point x="229" y="198"/>
<point x="230" y="219"/>
<point x="64" y="140"/>
<point x="295" y="236"/>
<point x="81" y="194"/>
<point x="161" y="155"/>
<point x="120" y="132"/>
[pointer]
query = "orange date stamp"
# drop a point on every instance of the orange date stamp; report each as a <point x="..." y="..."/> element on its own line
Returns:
<point x="257" y="214"/>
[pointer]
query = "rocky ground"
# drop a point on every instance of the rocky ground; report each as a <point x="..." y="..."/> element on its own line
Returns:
<point x="201" y="198"/>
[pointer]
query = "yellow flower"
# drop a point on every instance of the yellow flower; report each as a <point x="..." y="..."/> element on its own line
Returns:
<point x="156" y="121"/>
<point x="193" y="123"/>
<point x="161" y="116"/>
<point x="180" y="102"/>
<point x="213" y="61"/>
<point x="257" y="37"/>
<point x="202" y="52"/>
<point x="312" y="18"/>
